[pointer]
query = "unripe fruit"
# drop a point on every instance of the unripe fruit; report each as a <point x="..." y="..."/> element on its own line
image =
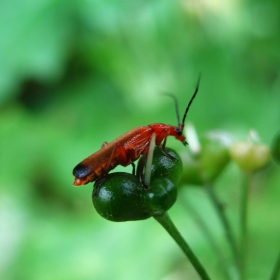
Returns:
<point x="250" y="157"/>
<point x="121" y="198"/>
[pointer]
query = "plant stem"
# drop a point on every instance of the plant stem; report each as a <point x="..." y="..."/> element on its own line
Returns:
<point x="225" y="223"/>
<point x="276" y="269"/>
<point x="167" y="223"/>
<point x="148" y="167"/>
<point x="243" y="220"/>
<point x="208" y="234"/>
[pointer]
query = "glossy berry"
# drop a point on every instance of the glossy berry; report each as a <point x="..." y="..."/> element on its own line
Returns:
<point x="160" y="196"/>
<point x="164" y="166"/>
<point x="122" y="197"/>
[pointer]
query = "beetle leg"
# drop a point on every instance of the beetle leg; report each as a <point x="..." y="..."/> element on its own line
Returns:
<point x="141" y="169"/>
<point x="133" y="168"/>
<point x="118" y="154"/>
<point x="122" y="155"/>
<point x="164" y="151"/>
<point x="104" y="144"/>
<point x="112" y="156"/>
<point x="144" y="150"/>
<point x="97" y="185"/>
<point x="118" y="149"/>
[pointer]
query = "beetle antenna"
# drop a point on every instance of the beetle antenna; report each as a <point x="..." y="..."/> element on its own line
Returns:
<point x="176" y="106"/>
<point x="190" y="102"/>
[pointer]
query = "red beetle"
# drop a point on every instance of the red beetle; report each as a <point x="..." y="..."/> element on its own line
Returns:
<point x="128" y="148"/>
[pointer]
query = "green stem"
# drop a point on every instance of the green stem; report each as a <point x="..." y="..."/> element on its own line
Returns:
<point x="225" y="223"/>
<point x="148" y="167"/>
<point x="243" y="220"/>
<point x="167" y="223"/>
<point x="208" y="234"/>
<point x="276" y="269"/>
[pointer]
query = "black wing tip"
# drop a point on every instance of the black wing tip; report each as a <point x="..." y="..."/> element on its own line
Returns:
<point x="81" y="171"/>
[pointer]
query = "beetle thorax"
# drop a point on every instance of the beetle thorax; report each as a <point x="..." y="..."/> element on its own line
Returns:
<point x="162" y="131"/>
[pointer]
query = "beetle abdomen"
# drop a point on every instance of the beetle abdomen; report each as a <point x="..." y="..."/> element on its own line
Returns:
<point x="122" y="151"/>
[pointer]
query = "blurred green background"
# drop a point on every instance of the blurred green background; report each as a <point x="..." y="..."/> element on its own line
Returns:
<point x="74" y="74"/>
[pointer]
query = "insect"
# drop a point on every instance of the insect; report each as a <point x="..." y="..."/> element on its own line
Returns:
<point x="129" y="147"/>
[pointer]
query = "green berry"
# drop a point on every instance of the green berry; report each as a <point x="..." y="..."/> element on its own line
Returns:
<point x="164" y="166"/>
<point x="120" y="198"/>
<point x="161" y="195"/>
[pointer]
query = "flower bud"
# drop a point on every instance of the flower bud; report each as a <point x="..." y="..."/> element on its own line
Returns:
<point x="250" y="157"/>
<point x="205" y="165"/>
